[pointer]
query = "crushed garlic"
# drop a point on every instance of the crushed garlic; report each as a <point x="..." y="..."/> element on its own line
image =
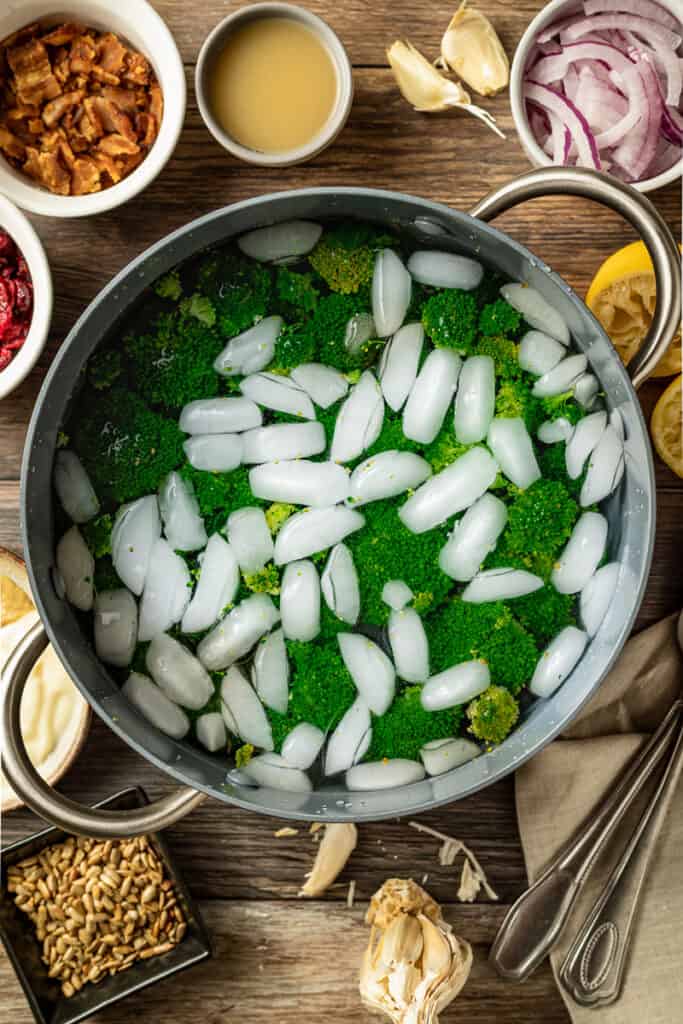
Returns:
<point x="427" y="89"/>
<point x="471" y="47"/>
<point x="337" y="845"/>
<point x="414" y="965"/>
<point x="473" y="877"/>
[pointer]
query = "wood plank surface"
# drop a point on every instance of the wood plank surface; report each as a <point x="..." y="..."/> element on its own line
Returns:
<point x="279" y="958"/>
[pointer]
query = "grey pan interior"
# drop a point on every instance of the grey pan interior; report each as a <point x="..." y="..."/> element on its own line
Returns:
<point x="631" y="511"/>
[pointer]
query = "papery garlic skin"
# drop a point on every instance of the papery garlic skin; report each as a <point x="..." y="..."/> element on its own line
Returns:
<point x="426" y="88"/>
<point x="471" y="47"/>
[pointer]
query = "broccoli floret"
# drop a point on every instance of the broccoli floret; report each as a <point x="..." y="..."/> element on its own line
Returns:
<point x="391" y="438"/>
<point x="277" y="514"/>
<point x="265" y="581"/>
<point x="219" y="494"/>
<point x="125" y="447"/>
<point x="461" y="631"/>
<point x="328" y="327"/>
<point x="499" y="317"/>
<point x="296" y="293"/>
<point x="504" y="354"/>
<point x="405" y="728"/>
<point x="243" y="755"/>
<point x="445" y="448"/>
<point x="200" y="307"/>
<point x="488" y="290"/>
<point x="330" y="625"/>
<point x="239" y="289"/>
<point x="105" y="576"/>
<point x="169" y="286"/>
<point x="385" y="550"/>
<point x="551" y="461"/>
<point x="295" y="344"/>
<point x="514" y="400"/>
<point x="345" y="256"/>
<point x="564" y="405"/>
<point x="419" y="295"/>
<point x="321" y="689"/>
<point x="450" y="319"/>
<point x="104" y="368"/>
<point x="173" y="365"/>
<point x="545" y="612"/>
<point x="97" y="535"/>
<point x="493" y="714"/>
<point x="540" y="520"/>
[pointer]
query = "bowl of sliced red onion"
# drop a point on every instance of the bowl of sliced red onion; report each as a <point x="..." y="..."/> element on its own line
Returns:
<point x="599" y="84"/>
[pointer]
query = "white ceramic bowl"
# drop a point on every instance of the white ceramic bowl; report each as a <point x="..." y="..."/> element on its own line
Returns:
<point x="214" y="43"/>
<point x="553" y="11"/>
<point x="22" y="232"/>
<point x="137" y="23"/>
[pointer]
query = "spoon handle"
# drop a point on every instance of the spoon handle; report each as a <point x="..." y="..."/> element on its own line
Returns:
<point x="534" y="923"/>
<point x="593" y="971"/>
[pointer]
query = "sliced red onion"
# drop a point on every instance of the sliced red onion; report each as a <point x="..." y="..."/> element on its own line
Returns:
<point x="235" y="635"/>
<point x="387" y="774"/>
<point x="250" y="538"/>
<point x="572" y="118"/>
<point x="450" y="491"/>
<point x="409" y="645"/>
<point x="622" y="22"/>
<point x="180" y="675"/>
<point x="216" y="588"/>
<point x="554" y="69"/>
<point x="155" y="706"/>
<point x="278" y="241"/>
<point x="270" y="671"/>
<point x="339" y="584"/>
<point x="371" y="670"/>
<point x="211" y="731"/>
<point x="220" y="416"/>
<point x="245" y="710"/>
<point x="136" y="529"/>
<point x="316" y="529"/>
<point x="273" y="772"/>
<point x="637" y="150"/>
<point x="167" y="592"/>
<point x="74" y="490"/>
<point x="456" y="685"/>
<point x="644" y="8"/>
<point x="300" y="601"/>
<point x="350" y="740"/>
<point x="430" y="395"/>
<point x="548" y="34"/>
<point x="115" y="626"/>
<point x="77" y="567"/>
<point x="439" y="756"/>
<point x="183" y="525"/>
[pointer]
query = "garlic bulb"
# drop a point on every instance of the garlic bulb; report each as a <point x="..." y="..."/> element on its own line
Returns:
<point x="471" y="48"/>
<point x="414" y="965"/>
<point x="426" y="88"/>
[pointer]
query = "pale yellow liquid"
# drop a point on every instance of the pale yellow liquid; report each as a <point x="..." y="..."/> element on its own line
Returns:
<point x="273" y="86"/>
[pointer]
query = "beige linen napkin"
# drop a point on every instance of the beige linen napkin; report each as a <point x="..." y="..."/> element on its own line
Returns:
<point x="556" y="792"/>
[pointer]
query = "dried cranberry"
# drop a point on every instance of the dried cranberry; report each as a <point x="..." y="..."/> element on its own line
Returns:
<point x="5" y="358"/>
<point x="23" y="295"/>
<point x="7" y="247"/>
<point x="16" y="299"/>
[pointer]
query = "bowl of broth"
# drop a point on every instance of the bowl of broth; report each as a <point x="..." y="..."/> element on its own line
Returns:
<point x="274" y="84"/>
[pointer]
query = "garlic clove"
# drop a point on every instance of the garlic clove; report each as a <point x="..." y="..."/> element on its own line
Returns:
<point x="427" y="89"/>
<point x="471" y="47"/>
<point x="334" y="849"/>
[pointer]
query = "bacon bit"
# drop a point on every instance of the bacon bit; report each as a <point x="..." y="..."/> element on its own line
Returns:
<point x="65" y="118"/>
<point x="22" y="33"/>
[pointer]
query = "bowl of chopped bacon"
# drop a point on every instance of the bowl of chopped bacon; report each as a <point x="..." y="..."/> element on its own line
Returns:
<point x="25" y="297"/>
<point x="92" y="101"/>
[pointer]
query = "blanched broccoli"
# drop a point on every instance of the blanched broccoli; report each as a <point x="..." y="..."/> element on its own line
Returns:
<point x="219" y="494"/>
<point x="200" y="307"/>
<point x="173" y="364"/>
<point x="540" y="520"/>
<point x="330" y="625"/>
<point x="545" y="612"/>
<point x="105" y="367"/>
<point x="493" y="714"/>
<point x="385" y="550"/>
<point x="445" y="448"/>
<point x="514" y="399"/>
<point x="169" y="286"/>
<point x="460" y="631"/>
<point x="244" y="754"/>
<point x="295" y="344"/>
<point x="277" y="514"/>
<point x="328" y="418"/>
<point x="564" y="405"/>
<point x="499" y="318"/>
<point x="106" y="577"/>
<point x="264" y="581"/>
<point x="125" y="447"/>
<point x="552" y="463"/>
<point x="405" y="728"/>
<point x="391" y="438"/>
<point x="345" y="256"/>
<point x="450" y="319"/>
<point x="97" y="535"/>
<point x="328" y="327"/>
<point x="296" y="293"/>
<point x="504" y="354"/>
<point x="239" y="289"/>
<point x="320" y="692"/>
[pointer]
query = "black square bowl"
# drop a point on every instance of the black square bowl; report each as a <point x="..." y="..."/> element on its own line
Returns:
<point x="18" y="935"/>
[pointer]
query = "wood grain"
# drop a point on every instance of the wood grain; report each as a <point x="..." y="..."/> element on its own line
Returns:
<point x="277" y="957"/>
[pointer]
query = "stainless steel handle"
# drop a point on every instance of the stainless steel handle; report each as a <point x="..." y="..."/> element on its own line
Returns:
<point x="640" y="213"/>
<point x="40" y="797"/>
<point x="534" y="923"/>
<point x="593" y="970"/>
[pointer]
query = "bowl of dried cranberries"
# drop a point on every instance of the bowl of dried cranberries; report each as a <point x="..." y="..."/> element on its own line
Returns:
<point x="25" y="297"/>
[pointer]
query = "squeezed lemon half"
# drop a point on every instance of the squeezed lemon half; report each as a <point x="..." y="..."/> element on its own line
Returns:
<point x="622" y="297"/>
<point x="666" y="427"/>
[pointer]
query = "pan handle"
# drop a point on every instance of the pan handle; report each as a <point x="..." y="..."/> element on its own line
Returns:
<point x="640" y="213"/>
<point x="42" y="798"/>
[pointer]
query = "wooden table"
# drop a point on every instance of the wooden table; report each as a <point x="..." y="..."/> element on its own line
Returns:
<point x="279" y="958"/>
